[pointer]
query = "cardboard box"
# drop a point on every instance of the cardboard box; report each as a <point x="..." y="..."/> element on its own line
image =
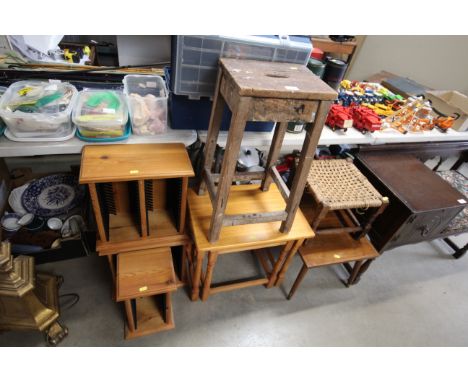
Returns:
<point x="70" y="248"/>
<point x="450" y="102"/>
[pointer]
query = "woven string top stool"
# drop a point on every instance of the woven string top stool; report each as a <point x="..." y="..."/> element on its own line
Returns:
<point x="337" y="185"/>
<point x="262" y="91"/>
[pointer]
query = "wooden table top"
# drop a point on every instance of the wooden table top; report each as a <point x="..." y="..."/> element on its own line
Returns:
<point x="244" y="199"/>
<point x="145" y="273"/>
<point x="114" y="163"/>
<point x="336" y="248"/>
<point x="276" y="80"/>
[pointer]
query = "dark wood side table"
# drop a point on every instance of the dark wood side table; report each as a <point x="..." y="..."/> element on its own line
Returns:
<point x="421" y="203"/>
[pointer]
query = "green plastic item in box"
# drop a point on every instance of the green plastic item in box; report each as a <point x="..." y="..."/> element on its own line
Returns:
<point x="109" y="98"/>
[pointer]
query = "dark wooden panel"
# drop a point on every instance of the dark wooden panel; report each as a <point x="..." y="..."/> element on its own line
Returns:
<point x="411" y="181"/>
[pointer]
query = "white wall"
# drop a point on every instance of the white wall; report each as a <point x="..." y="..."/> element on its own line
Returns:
<point x="440" y="62"/>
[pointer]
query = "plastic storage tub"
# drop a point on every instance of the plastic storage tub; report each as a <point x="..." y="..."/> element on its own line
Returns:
<point x="191" y="114"/>
<point x="100" y="113"/>
<point x="194" y="59"/>
<point x="2" y="124"/>
<point x="147" y="103"/>
<point x="38" y="109"/>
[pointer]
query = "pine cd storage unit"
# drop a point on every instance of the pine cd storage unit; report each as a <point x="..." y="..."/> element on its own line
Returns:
<point x="138" y="193"/>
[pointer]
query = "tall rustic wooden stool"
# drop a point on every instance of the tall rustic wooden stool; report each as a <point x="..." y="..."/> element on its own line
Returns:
<point x="337" y="248"/>
<point x="337" y="185"/>
<point x="262" y="91"/>
<point x="257" y="238"/>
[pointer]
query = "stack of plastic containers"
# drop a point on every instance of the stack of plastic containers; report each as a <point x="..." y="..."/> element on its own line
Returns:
<point x="147" y="102"/>
<point x="38" y="110"/>
<point x="194" y="67"/>
<point x="101" y="115"/>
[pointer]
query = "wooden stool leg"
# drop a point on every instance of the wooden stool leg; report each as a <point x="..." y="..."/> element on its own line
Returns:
<point x="275" y="148"/>
<point x="355" y="272"/>
<point x="279" y="263"/>
<point x="313" y="132"/>
<point x="322" y="212"/>
<point x="231" y="153"/>
<point x="196" y="277"/>
<point x="212" y="258"/>
<point x="368" y="224"/>
<point x="213" y="132"/>
<point x="299" y="278"/>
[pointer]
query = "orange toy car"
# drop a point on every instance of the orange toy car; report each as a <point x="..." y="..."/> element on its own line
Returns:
<point x="445" y="123"/>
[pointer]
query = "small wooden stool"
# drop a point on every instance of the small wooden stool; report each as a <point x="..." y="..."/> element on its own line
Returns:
<point x="262" y="91"/>
<point x="337" y="185"/>
<point x="254" y="237"/>
<point x="336" y="248"/>
<point x="145" y="280"/>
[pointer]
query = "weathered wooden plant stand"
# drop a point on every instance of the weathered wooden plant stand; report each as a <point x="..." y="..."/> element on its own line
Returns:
<point x="262" y="91"/>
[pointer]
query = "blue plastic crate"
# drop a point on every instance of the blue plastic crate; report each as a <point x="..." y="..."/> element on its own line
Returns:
<point x="194" y="114"/>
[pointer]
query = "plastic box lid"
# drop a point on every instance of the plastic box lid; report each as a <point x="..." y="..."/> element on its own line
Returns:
<point x="100" y="108"/>
<point x="195" y="58"/>
<point x="145" y="84"/>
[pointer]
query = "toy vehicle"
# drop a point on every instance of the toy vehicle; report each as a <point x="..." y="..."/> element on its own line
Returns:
<point x="347" y="98"/>
<point x="365" y="119"/>
<point x="445" y="123"/>
<point x="339" y="117"/>
<point x="396" y="104"/>
<point x="379" y="108"/>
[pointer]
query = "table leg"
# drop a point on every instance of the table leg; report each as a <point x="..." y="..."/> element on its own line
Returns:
<point x="186" y="252"/>
<point x="279" y="263"/>
<point x="355" y="272"/>
<point x="299" y="278"/>
<point x="112" y="267"/>
<point x="199" y="256"/>
<point x="212" y="258"/>
<point x="129" y="314"/>
<point x="362" y="269"/>
<point x="288" y="260"/>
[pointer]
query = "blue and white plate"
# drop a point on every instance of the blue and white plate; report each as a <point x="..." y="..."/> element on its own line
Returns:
<point x="52" y="195"/>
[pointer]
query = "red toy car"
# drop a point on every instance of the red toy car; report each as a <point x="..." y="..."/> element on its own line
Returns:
<point x="366" y="119"/>
<point x="339" y="117"/>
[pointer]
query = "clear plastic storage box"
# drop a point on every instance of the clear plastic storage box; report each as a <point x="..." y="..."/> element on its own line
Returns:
<point x="100" y="113"/>
<point x="38" y="109"/>
<point x="2" y="124"/>
<point x="195" y="58"/>
<point x="147" y="103"/>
